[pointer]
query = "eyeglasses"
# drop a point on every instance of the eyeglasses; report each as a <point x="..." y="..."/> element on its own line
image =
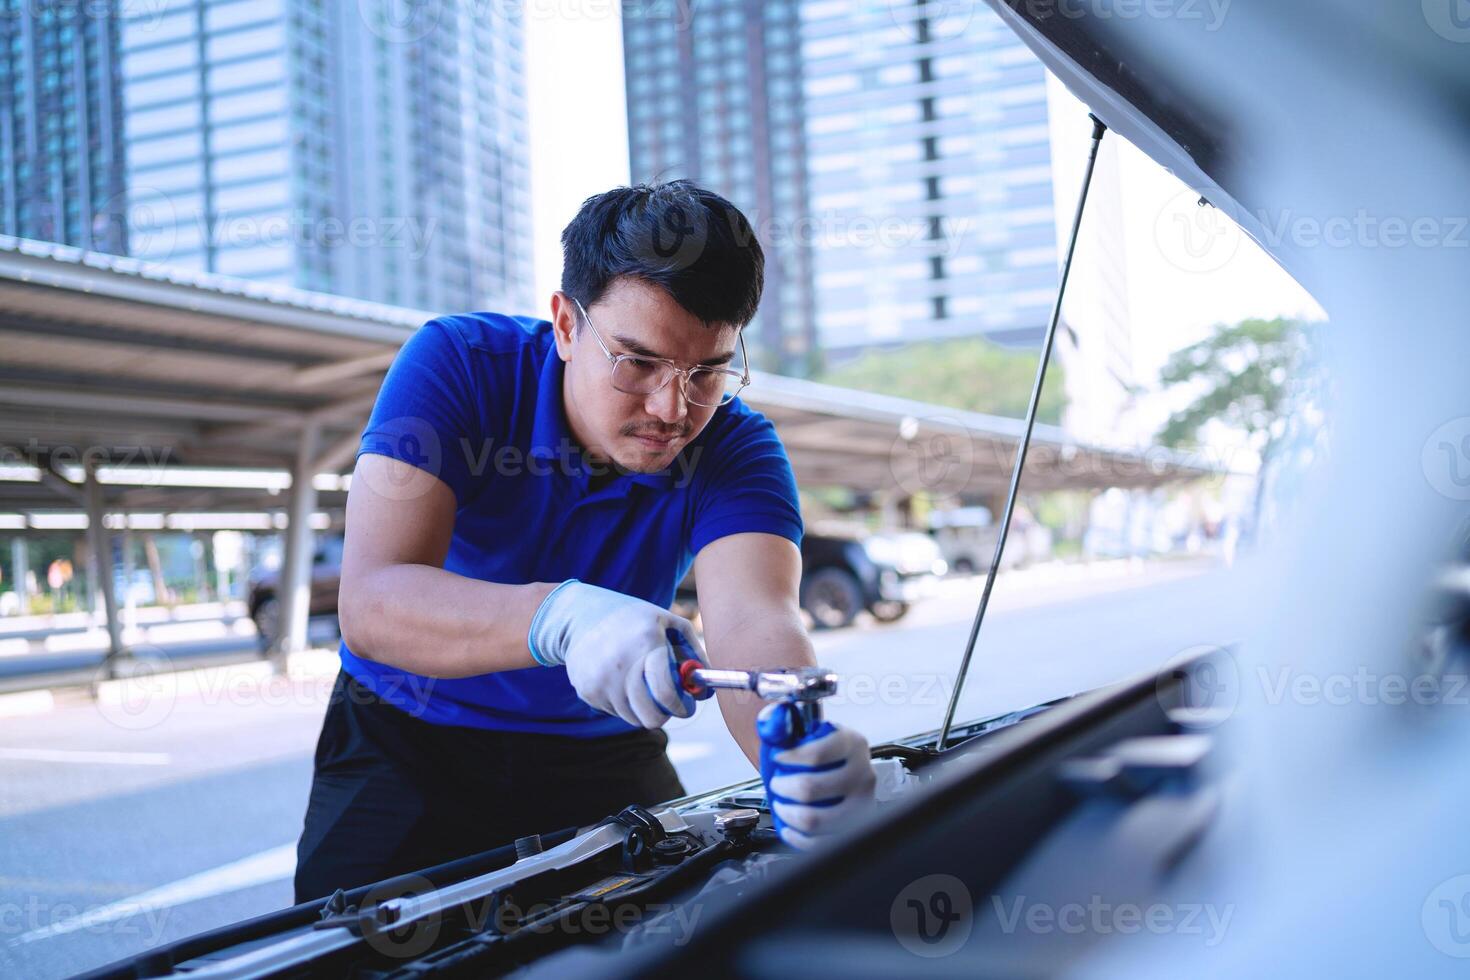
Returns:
<point x="637" y="374"/>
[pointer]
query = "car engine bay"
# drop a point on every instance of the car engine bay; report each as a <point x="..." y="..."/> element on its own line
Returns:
<point x="654" y="890"/>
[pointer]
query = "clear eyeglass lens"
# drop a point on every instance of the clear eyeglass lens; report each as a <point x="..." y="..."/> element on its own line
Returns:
<point x="636" y="376"/>
<point x="639" y="377"/>
<point x="710" y="387"/>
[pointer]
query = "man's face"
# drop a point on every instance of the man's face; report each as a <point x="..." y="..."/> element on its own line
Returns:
<point x="642" y="433"/>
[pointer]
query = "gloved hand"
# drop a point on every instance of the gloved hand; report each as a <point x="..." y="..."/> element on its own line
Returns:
<point x="615" y="651"/>
<point x="814" y="780"/>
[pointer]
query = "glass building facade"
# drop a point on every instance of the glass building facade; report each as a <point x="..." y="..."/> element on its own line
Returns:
<point x="435" y="138"/>
<point x="714" y="95"/>
<point x="61" y="137"/>
<point x="898" y="154"/>
<point x="331" y="147"/>
<point x="930" y="173"/>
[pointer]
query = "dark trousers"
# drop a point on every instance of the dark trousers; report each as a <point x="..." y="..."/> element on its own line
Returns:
<point x="393" y="794"/>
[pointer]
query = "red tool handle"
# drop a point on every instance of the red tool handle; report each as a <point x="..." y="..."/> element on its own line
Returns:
<point x="690" y="682"/>
<point x="686" y="664"/>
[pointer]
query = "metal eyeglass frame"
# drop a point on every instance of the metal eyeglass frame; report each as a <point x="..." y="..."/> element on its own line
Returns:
<point x="683" y="373"/>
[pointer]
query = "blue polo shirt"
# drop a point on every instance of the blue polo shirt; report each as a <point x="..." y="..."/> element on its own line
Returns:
<point x="476" y="400"/>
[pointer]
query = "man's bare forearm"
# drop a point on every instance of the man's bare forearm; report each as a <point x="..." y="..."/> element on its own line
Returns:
<point x="433" y="622"/>
<point x="773" y="641"/>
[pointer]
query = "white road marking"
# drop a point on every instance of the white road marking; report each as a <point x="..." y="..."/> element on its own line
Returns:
<point x="257" y="869"/>
<point x="97" y="757"/>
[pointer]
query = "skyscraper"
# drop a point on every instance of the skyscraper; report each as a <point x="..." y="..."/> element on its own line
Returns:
<point x="436" y="136"/>
<point x="714" y="94"/>
<point x="930" y="173"/>
<point x="333" y="147"/>
<point x="61" y="140"/>
<point x="905" y="150"/>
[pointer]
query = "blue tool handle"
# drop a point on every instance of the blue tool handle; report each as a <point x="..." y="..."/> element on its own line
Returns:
<point x="781" y="726"/>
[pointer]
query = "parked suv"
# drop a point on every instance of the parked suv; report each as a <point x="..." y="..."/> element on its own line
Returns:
<point x="966" y="537"/>
<point x="845" y="572"/>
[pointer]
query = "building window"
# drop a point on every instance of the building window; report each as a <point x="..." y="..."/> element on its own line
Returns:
<point x="939" y="310"/>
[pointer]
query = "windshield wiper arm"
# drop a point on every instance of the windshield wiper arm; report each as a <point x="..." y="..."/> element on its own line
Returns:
<point x="1098" y="128"/>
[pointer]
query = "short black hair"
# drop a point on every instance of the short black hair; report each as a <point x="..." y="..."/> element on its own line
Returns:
<point x="688" y="241"/>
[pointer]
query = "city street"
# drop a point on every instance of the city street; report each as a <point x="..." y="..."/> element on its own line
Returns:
<point x="131" y="822"/>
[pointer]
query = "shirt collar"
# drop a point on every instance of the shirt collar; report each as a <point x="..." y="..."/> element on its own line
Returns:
<point x="551" y="436"/>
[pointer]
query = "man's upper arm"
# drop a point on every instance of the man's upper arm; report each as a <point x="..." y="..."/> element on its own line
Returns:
<point x="428" y="413"/>
<point x="746" y="583"/>
<point x="746" y="485"/>
<point x="412" y="471"/>
<point x="397" y="514"/>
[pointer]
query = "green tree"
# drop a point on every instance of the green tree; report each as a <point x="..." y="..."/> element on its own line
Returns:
<point x="971" y="373"/>
<point x="1243" y="374"/>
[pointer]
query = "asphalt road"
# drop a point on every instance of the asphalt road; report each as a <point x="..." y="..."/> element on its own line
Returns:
<point x="133" y="821"/>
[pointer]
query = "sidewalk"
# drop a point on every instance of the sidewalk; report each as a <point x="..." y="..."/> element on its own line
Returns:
<point x="39" y="652"/>
<point x="10" y="625"/>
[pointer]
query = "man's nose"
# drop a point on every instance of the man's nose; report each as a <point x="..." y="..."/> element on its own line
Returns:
<point x="668" y="404"/>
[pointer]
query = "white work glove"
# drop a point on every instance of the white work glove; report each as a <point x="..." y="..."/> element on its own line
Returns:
<point x="820" y="784"/>
<point x="615" y="650"/>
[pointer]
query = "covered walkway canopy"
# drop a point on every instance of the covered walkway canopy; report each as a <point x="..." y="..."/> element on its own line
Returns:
<point x="115" y="372"/>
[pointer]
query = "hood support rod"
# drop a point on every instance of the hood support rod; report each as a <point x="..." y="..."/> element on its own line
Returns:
<point x="1098" y="128"/>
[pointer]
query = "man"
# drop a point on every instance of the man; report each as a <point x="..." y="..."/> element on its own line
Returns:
<point x="526" y="498"/>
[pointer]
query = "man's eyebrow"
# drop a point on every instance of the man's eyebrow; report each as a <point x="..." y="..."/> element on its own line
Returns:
<point x="633" y="347"/>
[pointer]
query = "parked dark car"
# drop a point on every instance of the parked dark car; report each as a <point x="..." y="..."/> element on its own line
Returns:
<point x="882" y="573"/>
<point x="326" y="578"/>
<point x="843" y="573"/>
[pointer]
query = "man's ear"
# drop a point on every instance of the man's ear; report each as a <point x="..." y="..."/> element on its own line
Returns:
<point x="563" y="323"/>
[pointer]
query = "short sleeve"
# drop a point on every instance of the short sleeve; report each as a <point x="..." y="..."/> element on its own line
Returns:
<point x="748" y="486"/>
<point x="428" y="410"/>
